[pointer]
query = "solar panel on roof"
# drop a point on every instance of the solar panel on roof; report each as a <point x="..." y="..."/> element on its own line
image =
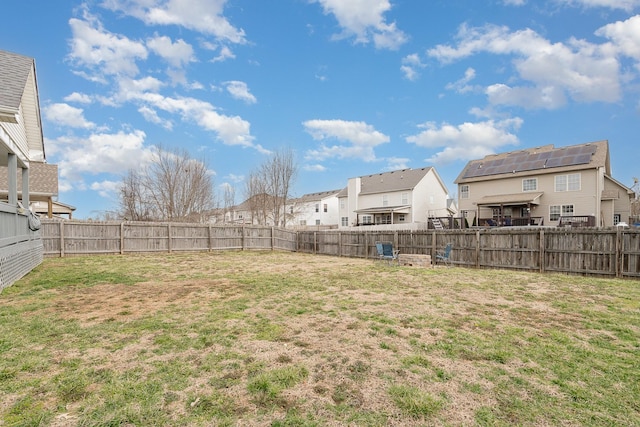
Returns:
<point x="520" y="161"/>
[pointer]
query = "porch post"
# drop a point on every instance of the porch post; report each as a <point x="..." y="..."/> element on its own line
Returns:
<point x="12" y="179"/>
<point x="25" y="188"/>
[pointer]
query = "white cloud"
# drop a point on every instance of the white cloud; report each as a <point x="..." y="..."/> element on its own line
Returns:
<point x="462" y="85"/>
<point x="80" y="98"/>
<point x="103" y="52"/>
<point x="359" y="139"/>
<point x="177" y="54"/>
<point x="314" y="168"/>
<point x="65" y="115"/>
<point x="410" y="66"/>
<point x="98" y="153"/>
<point x="625" y="35"/>
<point x="582" y="71"/>
<point x="205" y="16"/>
<point x="240" y="90"/>
<point x="364" y="20"/>
<point x="107" y="189"/>
<point x="515" y="2"/>
<point x="466" y="141"/>
<point x="225" y="53"/>
<point x="396" y="163"/>
<point x="627" y="5"/>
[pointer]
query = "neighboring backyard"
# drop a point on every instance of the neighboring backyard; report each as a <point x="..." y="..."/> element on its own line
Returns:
<point x="289" y="339"/>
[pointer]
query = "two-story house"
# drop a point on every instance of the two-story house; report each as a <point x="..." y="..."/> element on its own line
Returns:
<point x="319" y="208"/>
<point x="397" y="197"/>
<point x="543" y="185"/>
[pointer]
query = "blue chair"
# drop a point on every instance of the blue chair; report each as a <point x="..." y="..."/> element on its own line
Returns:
<point x="444" y="256"/>
<point x="386" y="252"/>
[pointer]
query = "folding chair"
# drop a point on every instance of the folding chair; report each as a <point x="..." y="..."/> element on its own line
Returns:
<point x="444" y="256"/>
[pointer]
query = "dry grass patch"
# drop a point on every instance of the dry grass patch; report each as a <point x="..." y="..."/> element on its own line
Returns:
<point x="269" y="338"/>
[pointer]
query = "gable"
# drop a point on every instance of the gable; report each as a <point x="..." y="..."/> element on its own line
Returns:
<point x="19" y="107"/>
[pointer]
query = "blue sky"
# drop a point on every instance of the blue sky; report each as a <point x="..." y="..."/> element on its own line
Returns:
<point x="355" y="87"/>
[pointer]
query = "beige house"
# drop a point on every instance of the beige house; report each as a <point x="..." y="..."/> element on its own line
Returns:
<point x="398" y="197"/>
<point x="544" y="186"/>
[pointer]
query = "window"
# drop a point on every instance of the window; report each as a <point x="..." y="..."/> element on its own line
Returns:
<point x="367" y="219"/>
<point x="401" y="218"/>
<point x="464" y="191"/>
<point x="569" y="182"/>
<point x="345" y="221"/>
<point x="385" y="200"/>
<point x="317" y="207"/>
<point x="343" y="204"/>
<point x="616" y="219"/>
<point x="291" y="209"/>
<point x="405" y="198"/>
<point x="303" y="222"/>
<point x="555" y="211"/>
<point x="325" y="207"/>
<point x="317" y="222"/>
<point x="573" y="182"/>
<point x="530" y="184"/>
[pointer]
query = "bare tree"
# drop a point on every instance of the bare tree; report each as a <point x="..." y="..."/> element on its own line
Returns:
<point x="257" y="199"/>
<point x="279" y="173"/>
<point x="229" y="199"/>
<point x="173" y="187"/>
<point x="134" y="205"/>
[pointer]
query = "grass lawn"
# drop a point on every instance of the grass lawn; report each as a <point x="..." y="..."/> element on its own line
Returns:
<point x="288" y="339"/>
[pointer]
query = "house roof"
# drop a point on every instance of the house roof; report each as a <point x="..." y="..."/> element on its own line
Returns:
<point x="315" y="197"/>
<point x="511" y="199"/>
<point x="43" y="181"/>
<point x="19" y="96"/>
<point x="543" y="159"/>
<point x="404" y="179"/>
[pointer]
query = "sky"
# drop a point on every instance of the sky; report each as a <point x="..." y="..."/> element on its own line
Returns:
<point x="353" y="87"/>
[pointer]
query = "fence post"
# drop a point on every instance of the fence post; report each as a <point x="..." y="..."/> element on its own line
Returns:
<point x="315" y="242"/>
<point x="273" y="238"/>
<point x="243" y="237"/>
<point x="434" y="247"/>
<point x="478" y="248"/>
<point x="543" y="257"/>
<point x="619" y="255"/>
<point x="122" y="238"/>
<point x="339" y="243"/>
<point x="169" y="237"/>
<point x="61" y="239"/>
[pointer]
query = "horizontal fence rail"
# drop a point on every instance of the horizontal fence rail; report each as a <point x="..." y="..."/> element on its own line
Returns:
<point x="609" y="252"/>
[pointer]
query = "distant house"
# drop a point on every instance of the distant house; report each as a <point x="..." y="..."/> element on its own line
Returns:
<point x="21" y="148"/>
<point x="319" y="208"/>
<point x="544" y="186"/>
<point x="256" y="210"/>
<point x="398" y="197"/>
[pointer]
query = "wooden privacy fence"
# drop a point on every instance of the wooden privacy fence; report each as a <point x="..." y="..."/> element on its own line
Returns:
<point x="588" y="251"/>
<point x="63" y="238"/>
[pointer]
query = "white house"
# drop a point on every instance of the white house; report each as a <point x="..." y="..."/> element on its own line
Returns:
<point x="314" y="209"/>
<point x="397" y="197"/>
